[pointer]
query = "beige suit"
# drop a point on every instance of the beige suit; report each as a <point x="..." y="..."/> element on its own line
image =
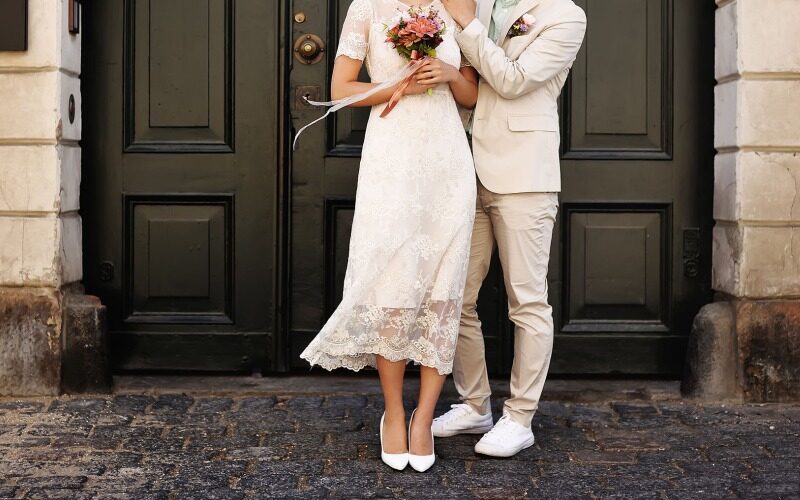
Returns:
<point x="516" y="146"/>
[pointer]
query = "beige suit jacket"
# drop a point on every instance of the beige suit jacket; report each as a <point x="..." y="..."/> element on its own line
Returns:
<point x="515" y="131"/>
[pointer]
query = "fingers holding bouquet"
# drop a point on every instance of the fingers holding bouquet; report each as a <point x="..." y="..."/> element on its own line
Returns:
<point x="434" y="71"/>
<point x="415" y="88"/>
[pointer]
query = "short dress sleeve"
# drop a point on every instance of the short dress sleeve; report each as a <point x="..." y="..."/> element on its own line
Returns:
<point x="354" y="40"/>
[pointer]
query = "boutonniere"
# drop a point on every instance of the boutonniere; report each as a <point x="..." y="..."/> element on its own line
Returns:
<point x="521" y="26"/>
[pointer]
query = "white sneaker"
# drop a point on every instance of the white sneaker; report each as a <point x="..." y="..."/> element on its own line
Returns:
<point x="506" y="439"/>
<point x="461" y="419"/>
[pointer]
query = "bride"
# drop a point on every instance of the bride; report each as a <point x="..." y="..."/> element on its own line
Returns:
<point x="415" y="206"/>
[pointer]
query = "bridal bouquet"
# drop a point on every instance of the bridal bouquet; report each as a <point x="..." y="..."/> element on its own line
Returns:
<point x="416" y="33"/>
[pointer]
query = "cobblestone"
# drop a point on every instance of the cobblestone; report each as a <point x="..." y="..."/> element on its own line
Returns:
<point x="174" y="446"/>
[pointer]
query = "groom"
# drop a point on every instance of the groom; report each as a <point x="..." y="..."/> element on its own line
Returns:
<point x="523" y="50"/>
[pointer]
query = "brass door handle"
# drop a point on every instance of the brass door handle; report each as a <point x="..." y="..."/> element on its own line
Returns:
<point x="309" y="49"/>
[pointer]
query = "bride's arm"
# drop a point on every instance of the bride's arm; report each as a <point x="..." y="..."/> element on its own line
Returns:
<point x="344" y="83"/>
<point x="463" y="82"/>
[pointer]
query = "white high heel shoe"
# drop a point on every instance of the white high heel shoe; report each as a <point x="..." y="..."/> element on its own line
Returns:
<point x="420" y="463"/>
<point x="396" y="461"/>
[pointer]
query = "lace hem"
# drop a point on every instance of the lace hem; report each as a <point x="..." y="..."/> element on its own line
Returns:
<point x="354" y="358"/>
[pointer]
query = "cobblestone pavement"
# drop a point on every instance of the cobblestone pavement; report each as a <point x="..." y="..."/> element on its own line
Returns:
<point x="172" y="445"/>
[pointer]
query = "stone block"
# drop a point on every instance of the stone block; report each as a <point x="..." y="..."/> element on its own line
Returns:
<point x="725" y="263"/>
<point x="727" y="41"/>
<point x="30" y="177"/>
<point x="757" y="114"/>
<point x="70" y="157"/>
<point x="30" y="341"/>
<point x="757" y="186"/>
<point x="710" y="370"/>
<point x="726" y="193"/>
<point x="768" y="340"/>
<point x="770" y="262"/>
<point x="769" y="113"/>
<point x="71" y="254"/>
<point x="768" y="40"/>
<point x="756" y="261"/>
<point x="85" y="366"/>
<point x="29" y="250"/>
<point x="40" y="251"/>
<point x="11" y="250"/>
<point x="768" y="186"/>
<point x="29" y="105"/>
<point x="755" y="36"/>
<point x="726" y="110"/>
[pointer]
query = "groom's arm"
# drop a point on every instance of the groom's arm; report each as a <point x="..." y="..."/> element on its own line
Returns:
<point x="547" y="55"/>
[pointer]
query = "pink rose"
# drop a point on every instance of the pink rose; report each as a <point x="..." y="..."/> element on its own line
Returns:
<point x="528" y="19"/>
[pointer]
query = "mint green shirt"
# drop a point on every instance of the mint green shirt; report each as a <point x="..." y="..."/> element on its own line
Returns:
<point x="502" y="9"/>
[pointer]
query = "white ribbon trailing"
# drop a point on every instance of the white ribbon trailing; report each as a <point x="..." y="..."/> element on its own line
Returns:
<point x="334" y="106"/>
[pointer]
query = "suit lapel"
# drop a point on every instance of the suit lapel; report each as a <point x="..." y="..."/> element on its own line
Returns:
<point x="522" y="7"/>
<point x="484" y="13"/>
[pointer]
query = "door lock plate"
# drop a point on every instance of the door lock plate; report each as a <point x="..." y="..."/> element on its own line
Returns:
<point x="691" y="252"/>
<point x="303" y="92"/>
<point x="106" y="271"/>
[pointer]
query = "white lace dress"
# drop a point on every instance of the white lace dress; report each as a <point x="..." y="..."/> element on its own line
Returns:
<point x="415" y="205"/>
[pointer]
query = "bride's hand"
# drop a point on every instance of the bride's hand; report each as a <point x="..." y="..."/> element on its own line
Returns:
<point x="434" y="72"/>
<point x="415" y="88"/>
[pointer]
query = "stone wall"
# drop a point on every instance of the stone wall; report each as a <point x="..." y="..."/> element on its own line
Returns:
<point x="40" y="228"/>
<point x="756" y="261"/>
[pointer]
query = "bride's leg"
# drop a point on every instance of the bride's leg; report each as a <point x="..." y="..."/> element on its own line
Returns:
<point x="394" y="424"/>
<point x="430" y="386"/>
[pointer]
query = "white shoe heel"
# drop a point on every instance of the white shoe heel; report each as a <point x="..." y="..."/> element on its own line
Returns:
<point x="396" y="461"/>
<point x="420" y="463"/>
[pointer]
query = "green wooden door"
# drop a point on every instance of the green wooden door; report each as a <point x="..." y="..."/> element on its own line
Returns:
<point x="181" y="158"/>
<point x="630" y="258"/>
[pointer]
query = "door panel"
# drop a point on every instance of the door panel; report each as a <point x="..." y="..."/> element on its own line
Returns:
<point x="178" y="76"/>
<point x="180" y="183"/>
<point x="630" y="257"/>
<point x="616" y="269"/>
<point x="620" y="101"/>
<point x="179" y="259"/>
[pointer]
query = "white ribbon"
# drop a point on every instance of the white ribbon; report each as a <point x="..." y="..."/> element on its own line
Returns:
<point x="338" y="104"/>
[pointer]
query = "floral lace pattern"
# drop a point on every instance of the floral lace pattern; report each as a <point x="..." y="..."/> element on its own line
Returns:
<point x="415" y="205"/>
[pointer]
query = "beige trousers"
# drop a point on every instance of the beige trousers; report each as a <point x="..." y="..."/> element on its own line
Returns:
<point x="521" y="225"/>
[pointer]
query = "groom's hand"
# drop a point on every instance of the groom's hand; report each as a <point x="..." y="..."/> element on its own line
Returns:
<point x="462" y="11"/>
